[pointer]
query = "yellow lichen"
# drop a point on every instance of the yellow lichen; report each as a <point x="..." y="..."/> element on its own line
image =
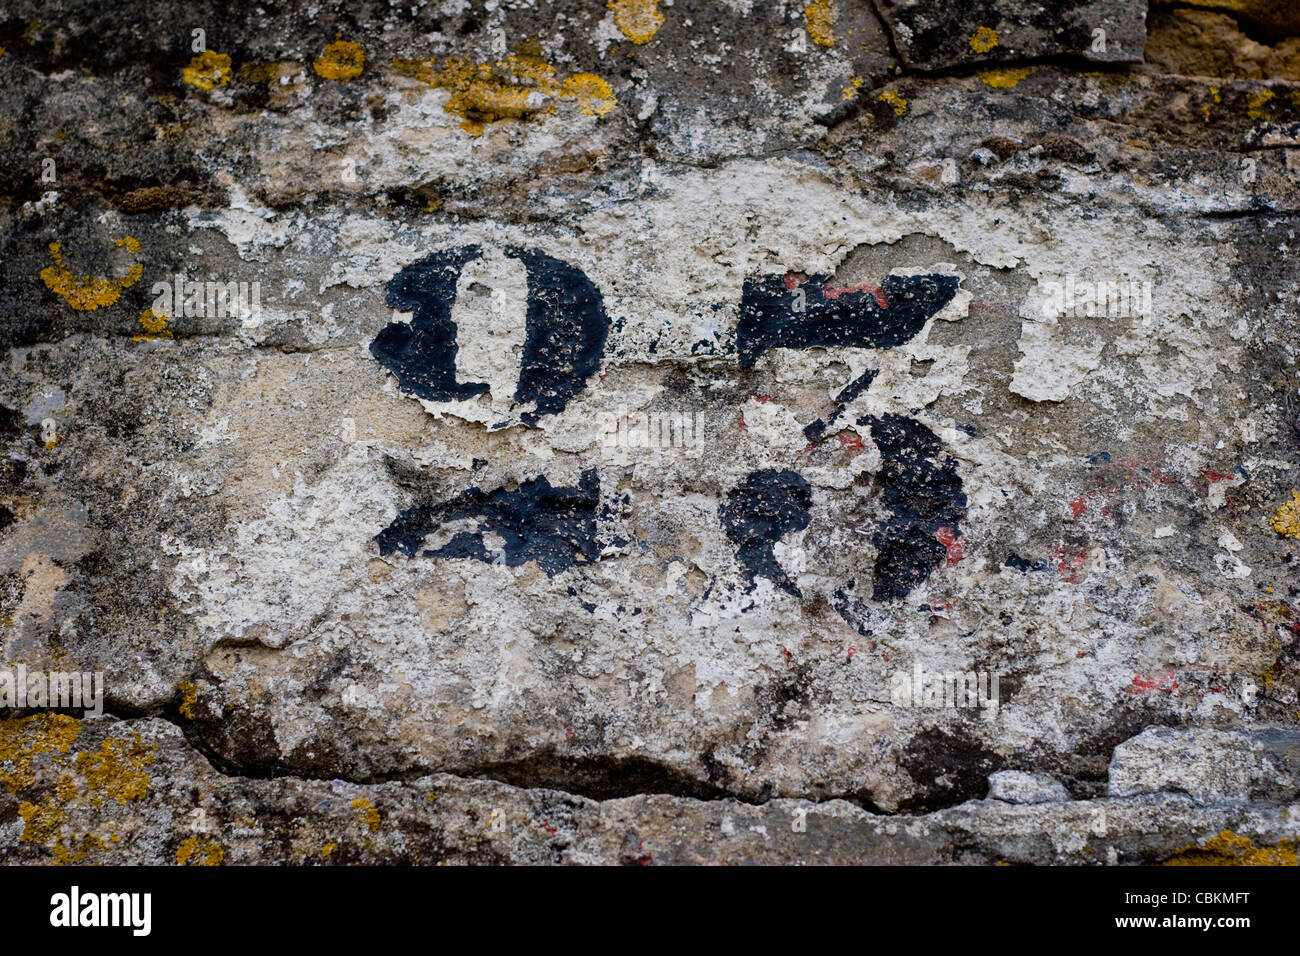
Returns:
<point x="189" y="695"/>
<point x="1256" y="104"/>
<point x="593" y="95"/>
<point x="328" y="849"/>
<point x="367" y="814"/>
<point x="819" y="17"/>
<point x="639" y="20"/>
<point x="207" y="70"/>
<point x="1214" y="95"/>
<point x="850" y="91"/>
<point x="66" y="851"/>
<point x="520" y="87"/>
<point x="1003" y="79"/>
<point x="116" y="770"/>
<point x="87" y="293"/>
<point x="196" y="852"/>
<point x="1286" y="521"/>
<point x="41" y="822"/>
<point x="44" y="822"/>
<point x="22" y="740"/>
<point x="154" y="325"/>
<point x="1229" y="849"/>
<point x="340" y="61"/>
<point x="984" y="39"/>
<point x="895" y="100"/>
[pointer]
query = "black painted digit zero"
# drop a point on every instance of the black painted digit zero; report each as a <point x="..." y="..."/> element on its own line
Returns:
<point x="564" y="336"/>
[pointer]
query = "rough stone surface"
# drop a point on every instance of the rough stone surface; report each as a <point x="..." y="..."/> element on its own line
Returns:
<point x="932" y="35"/>
<point x="1210" y="766"/>
<point x="1016" y="786"/>
<point x="715" y="431"/>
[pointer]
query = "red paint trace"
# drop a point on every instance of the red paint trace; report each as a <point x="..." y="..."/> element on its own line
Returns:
<point x="1165" y="682"/>
<point x="1067" y="564"/>
<point x="871" y="287"/>
<point x="1213" y="477"/>
<point x="954" y="545"/>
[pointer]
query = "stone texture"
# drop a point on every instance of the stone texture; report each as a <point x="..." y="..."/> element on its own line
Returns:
<point x="113" y="791"/>
<point x="1016" y="786"/>
<point x="1210" y="766"/>
<point x="936" y="35"/>
<point x="659" y="423"/>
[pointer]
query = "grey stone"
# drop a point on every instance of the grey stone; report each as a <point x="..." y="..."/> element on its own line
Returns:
<point x="1017" y="786"/>
<point x="932" y="35"/>
<point x="779" y="580"/>
<point x="1210" y="766"/>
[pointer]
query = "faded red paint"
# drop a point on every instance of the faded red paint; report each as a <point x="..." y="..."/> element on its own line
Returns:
<point x="1067" y="564"/>
<point x="1166" y="682"/>
<point x="850" y="439"/>
<point x="871" y="287"/>
<point x="1078" y="506"/>
<point x="954" y="545"/>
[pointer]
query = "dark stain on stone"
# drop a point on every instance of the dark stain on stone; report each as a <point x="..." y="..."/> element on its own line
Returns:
<point x="923" y="492"/>
<point x="1018" y="563"/>
<point x="556" y="527"/>
<point x="11" y="422"/>
<point x="850" y="317"/>
<point x="939" y="34"/>
<point x="947" y="769"/>
<point x="600" y="777"/>
<point x="758" y="512"/>
<point x="817" y="430"/>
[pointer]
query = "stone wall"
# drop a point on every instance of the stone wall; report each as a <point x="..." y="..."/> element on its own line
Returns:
<point x="707" y="431"/>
